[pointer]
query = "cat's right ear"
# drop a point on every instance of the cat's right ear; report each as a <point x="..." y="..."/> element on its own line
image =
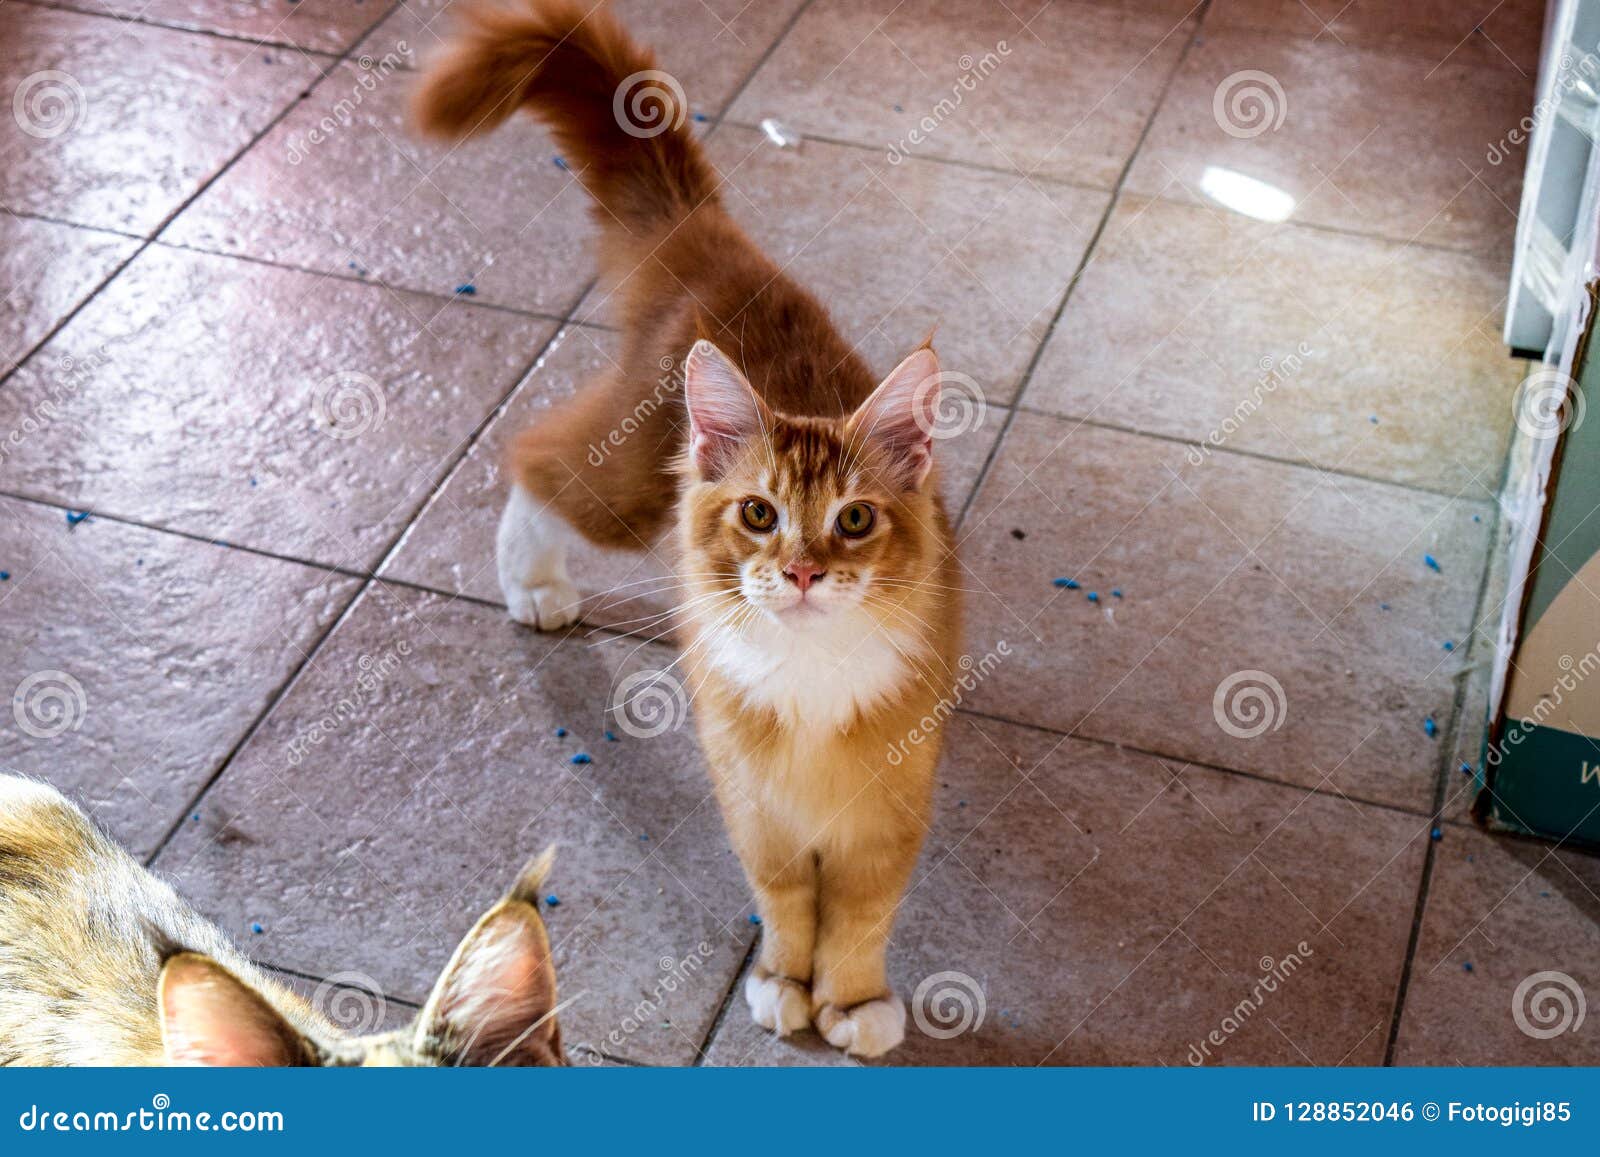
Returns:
<point x="724" y="412"/>
<point x="211" y="1017"/>
<point x="495" y="1002"/>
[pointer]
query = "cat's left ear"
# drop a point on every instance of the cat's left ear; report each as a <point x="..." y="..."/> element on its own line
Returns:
<point x="211" y="1017"/>
<point x="724" y="412"/>
<point x="900" y="415"/>
<point x="495" y="1002"/>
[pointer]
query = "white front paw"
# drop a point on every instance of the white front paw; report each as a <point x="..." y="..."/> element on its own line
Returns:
<point x="870" y="1029"/>
<point x="777" y="1005"/>
<point x="549" y="607"/>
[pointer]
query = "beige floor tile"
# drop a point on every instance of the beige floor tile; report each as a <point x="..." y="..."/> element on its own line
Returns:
<point x="1059" y="90"/>
<point x="1302" y="600"/>
<point x="344" y="186"/>
<point x="45" y="271"/>
<point x="1373" y="142"/>
<point x="1500" y="33"/>
<point x="118" y="124"/>
<point x="1350" y="353"/>
<point x="133" y="661"/>
<point x="297" y="414"/>
<point x="321" y="25"/>
<point x="1502" y="916"/>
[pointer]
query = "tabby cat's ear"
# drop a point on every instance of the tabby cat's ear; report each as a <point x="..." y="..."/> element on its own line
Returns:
<point x="495" y="1002"/>
<point x="724" y="412"/>
<point x="211" y="1017"/>
<point x="901" y="414"/>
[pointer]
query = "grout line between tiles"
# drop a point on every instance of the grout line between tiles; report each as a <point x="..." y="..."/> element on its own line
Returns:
<point x="723" y="1009"/>
<point x="1259" y="455"/>
<point x="357" y="279"/>
<point x="1026" y="380"/>
<point x="1441" y="789"/>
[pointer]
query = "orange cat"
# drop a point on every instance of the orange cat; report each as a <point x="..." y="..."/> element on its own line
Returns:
<point x="821" y="619"/>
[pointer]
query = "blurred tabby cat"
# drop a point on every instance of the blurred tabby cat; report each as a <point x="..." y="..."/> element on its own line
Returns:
<point x="819" y="579"/>
<point x="101" y="964"/>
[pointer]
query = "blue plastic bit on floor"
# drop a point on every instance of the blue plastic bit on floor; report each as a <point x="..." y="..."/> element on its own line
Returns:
<point x="754" y="919"/>
<point x="611" y="736"/>
<point x="1436" y="835"/>
<point x="553" y="900"/>
<point x="1093" y="596"/>
<point x="1466" y="768"/>
<point x="1067" y="584"/>
<point x="1116" y="592"/>
<point x="1429" y="726"/>
<point x="195" y="818"/>
<point x="257" y="929"/>
<point x="1373" y="419"/>
<point x="76" y="516"/>
<point x="561" y="163"/>
<point x="701" y="118"/>
<point x="1466" y="966"/>
<point x="581" y="757"/>
<point x="1477" y="518"/>
<point x="5" y="576"/>
<point x="1430" y="562"/>
<point x="466" y="289"/>
<point x="1383" y="606"/>
<point x="1449" y="646"/>
<point x="561" y="732"/>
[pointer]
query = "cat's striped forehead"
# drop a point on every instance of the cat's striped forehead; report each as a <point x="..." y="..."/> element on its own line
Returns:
<point x="811" y="455"/>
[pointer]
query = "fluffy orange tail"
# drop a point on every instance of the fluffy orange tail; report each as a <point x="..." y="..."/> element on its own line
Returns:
<point x="621" y="124"/>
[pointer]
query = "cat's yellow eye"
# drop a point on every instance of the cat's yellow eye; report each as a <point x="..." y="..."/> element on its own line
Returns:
<point x="855" y="520"/>
<point x="758" y="514"/>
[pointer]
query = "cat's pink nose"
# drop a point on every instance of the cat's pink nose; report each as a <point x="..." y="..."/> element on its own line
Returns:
<point x="803" y="572"/>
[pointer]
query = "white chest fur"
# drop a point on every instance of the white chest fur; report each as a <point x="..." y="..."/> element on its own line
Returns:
<point x="822" y="675"/>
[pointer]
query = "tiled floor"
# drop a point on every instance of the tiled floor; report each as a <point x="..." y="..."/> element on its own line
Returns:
<point x="1241" y="359"/>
